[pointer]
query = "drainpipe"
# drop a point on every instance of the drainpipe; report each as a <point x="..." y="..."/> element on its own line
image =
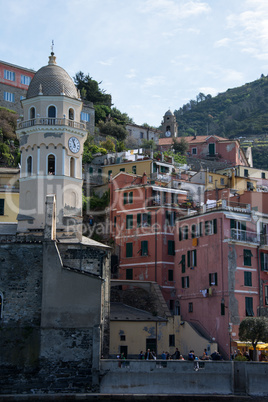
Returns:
<point x="155" y="251"/>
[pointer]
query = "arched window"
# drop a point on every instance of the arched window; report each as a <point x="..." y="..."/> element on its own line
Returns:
<point x="29" y="166"/>
<point x="51" y="115"/>
<point x="51" y="165"/>
<point x="32" y="113"/>
<point x="71" y="114"/>
<point x="51" y="111"/>
<point x="1" y="305"/>
<point x="72" y="167"/>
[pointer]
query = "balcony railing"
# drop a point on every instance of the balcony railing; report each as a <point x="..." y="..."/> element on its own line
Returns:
<point x="264" y="239"/>
<point x="48" y="121"/>
<point x="245" y="236"/>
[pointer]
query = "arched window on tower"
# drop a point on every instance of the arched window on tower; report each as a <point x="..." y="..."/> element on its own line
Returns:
<point x="51" y="165"/>
<point x="71" y="114"/>
<point x="29" y="166"/>
<point x="51" y="115"/>
<point x="32" y="113"/>
<point x="72" y="167"/>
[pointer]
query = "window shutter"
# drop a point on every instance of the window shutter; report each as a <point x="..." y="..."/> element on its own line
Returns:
<point x="206" y="228"/>
<point x="171" y="248"/>
<point x="232" y="224"/>
<point x="216" y="278"/>
<point x="188" y="258"/>
<point x="129" y="249"/>
<point x="200" y="229"/>
<point x="262" y="261"/>
<point x="186" y="232"/>
<point x="214" y="226"/>
<point x="183" y="263"/>
<point x="195" y="260"/>
<point x="144" y="247"/>
<point x="138" y="220"/>
<point x="149" y="219"/>
<point x="2" y="206"/>
<point x="210" y="279"/>
<point x="180" y="234"/>
<point x="182" y="281"/>
<point x="130" y="200"/>
<point x="125" y="198"/>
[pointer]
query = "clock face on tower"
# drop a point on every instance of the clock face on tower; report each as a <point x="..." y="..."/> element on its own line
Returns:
<point x="168" y="133"/>
<point x="74" y="145"/>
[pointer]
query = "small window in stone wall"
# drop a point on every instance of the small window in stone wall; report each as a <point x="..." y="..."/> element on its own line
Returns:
<point x="122" y="337"/>
<point x="171" y="340"/>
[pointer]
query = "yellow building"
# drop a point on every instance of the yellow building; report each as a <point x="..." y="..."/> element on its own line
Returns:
<point x="9" y="194"/>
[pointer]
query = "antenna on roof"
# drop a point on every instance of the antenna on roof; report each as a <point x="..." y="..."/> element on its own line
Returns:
<point x="52" y="44"/>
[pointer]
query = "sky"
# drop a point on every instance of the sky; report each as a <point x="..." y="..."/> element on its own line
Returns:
<point x="150" y="55"/>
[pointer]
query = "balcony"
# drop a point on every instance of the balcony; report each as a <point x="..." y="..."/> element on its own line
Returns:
<point x="245" y="236"/>
<point x="48" y="121"/>
<point x="264" y="239"/>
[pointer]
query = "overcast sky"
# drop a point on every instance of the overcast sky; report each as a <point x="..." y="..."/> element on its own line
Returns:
<point x="151" y="55"/>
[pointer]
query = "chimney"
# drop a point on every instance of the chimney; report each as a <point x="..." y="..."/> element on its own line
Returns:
<point x="144" y="179"/>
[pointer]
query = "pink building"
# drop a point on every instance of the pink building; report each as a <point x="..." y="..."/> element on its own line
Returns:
<point x="211" y="147"/>
<point x="142" y="220"/>
<point x="219" y="265"/>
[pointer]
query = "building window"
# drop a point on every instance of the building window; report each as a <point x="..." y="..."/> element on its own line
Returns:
<point x="170" y="218"/>
<point x="211" y="149"/>
<point x="183" y="233"/>
<point x="109" y="174"/>
<point x="170" y="275"/>
<point x="129" y="273"/>
<point x="9" y="75"/>
<point x="247" y="278"/>
<point x="264" y="262"/>
<point x="190" y="307"/>
<point x="249" y="306"/>
<point x="245" y="172"/>
<point x="213" y="279"/>
<point x="122" y="337"/>
<point x="51" y="164"/>
<point x="71" y="114"/>
<point x="171" y="340"/>
<point x="122" y="169"/>
<point x="128" y="198"/>
<point x="194" y="231"/>
<point x="85" y="116"/>
<point x="238" y="230"/>
<point x="210" y="179"/>
<point x="247" y="257"/>
<point x="2" y="206"/>
<point x="144" y="248"/>
<point x="211" y="227"/>
<point x="129" y="224"/>
<point x="183" y="264"/>
<point x="185" y="282"/>
<point x="171" y="247"/>
<point x="129" y="250"/>
<point x="222" y="181"/>
<point x="141" y="135"/>
<point x="51" y="112"/>
<point x="144" y="220"/>
<point x="134" y="169"/>
<point x="263" y="175"/>
<point x="222" y="307"/>
<point x="171" y="305"/>
<point x="9" y="97"/>
<point x="191" y="258"/>
<point x="266" y="295"/>
<point x="29" y="165"/>
<point x="32" y="113"/>
<point x="194" y="151"/>
<point x="25" y="80"/>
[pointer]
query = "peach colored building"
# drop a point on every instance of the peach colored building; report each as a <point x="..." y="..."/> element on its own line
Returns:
<point x="211" y="147"/>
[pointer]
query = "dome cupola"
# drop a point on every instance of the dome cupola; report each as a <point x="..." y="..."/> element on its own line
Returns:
<point x="52" y="80"/>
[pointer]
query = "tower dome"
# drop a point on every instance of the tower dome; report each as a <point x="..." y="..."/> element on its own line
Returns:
<point x="52" y="80"/>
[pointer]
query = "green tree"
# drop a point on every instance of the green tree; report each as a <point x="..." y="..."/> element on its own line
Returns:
<point x="180" y="147"/>
<point x="8" y="123"/>
<point x="112" y="129"/>
<point x="102" y="112"/>
<point x="108" y="144"/>
<point x="149" y="144"/>
<point x="90" y="89"/>
<point x="254" y="330"/>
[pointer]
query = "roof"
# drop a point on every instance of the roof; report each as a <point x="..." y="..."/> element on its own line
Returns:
<point x="122" y="312"/>
<point x="192" y="140"/>
<point x="86" y="241"/>
<point x="52" y="80"/>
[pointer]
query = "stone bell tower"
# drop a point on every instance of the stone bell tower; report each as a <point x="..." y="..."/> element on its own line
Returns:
<point x="51" y="137"/>
<point x="169" y="125"/>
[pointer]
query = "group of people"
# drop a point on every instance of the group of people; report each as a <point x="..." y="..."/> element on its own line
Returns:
<point x="151" y="355"/>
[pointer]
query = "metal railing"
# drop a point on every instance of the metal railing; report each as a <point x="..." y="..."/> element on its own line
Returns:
<point x="49" y="121"/>
<point x="245" y="236"/>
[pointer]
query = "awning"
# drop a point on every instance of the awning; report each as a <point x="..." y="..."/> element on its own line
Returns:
<point x="168" y="190"/>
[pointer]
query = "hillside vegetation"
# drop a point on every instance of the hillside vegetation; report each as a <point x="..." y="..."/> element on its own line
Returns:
<point x="240" y="112"/>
